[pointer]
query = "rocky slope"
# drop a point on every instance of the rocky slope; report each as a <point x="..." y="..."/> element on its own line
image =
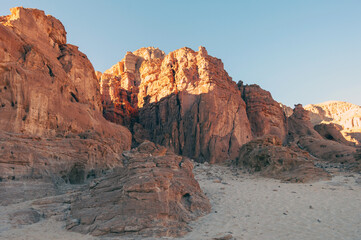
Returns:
<point x="53" y="137"/>
<point x="184" y="100"/>
<point x="302" y="134"/>
<point x="48" y="90"/>
<point x="346" y="115"/>
<point x="267" y="156"/>
<point x="155" y="194"/>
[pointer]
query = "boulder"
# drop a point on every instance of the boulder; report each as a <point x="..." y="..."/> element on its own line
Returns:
<point x="267" y="156"/>
<point x="154" y="195"/>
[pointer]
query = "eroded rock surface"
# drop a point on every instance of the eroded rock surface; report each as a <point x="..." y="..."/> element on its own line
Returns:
<point x="49" y="90"/>
<point x="344" y="114"/>
<point x="301" y="134"/>
<point x="267" y="156"/>
<point x="155" y="194"/>
<point x="184" y="100"/>
<point x="265" y="114"/>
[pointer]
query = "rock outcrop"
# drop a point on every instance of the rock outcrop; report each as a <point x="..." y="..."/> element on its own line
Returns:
<point x="154" y="195"/>
<point x="265" y="114"/>
<point x="71" y="159"/>
<point x="332" y="132"/>
<point x="345" y="115"/>
<point x="184" y="100"/>
<point x="119" y="86"/>
<point x="48" y="90"/>
<point x="267" y="156"/>
<point x="301" y="134"/>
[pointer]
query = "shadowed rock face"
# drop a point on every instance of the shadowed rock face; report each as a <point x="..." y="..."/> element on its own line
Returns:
<point x="267" y="156"/>
<point x="265" y="114"/>
<point x="48" y="89"/>
<point x="154" y="195"/>
<point x="73" y="159"/>
<point x="184" y="100"/>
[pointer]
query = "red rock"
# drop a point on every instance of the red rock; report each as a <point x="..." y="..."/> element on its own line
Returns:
<point x="267" y="156"/>
<point x="48" y="89"/>
<point x="185" y="101"/>
<point x="154" y="195"/>
<point x="301" y="134"/>
<point x="265" y="114"/>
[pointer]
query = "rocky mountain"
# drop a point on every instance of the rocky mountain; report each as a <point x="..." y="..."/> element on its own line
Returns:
<point x="53" y="135"/>
<point x="68" y="130"/>
<point x="185" y="101"/>
<point x="346" y="116"/>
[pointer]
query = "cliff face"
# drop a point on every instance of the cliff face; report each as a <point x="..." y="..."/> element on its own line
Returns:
<point x="346" y="115"/>
<point x="48" y="89"/>
<point x="265" y="114"/>
<point x="185" y="101"/>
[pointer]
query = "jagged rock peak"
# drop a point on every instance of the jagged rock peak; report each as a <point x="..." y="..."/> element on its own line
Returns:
<point x="25" y="20"/>
<point x="185" y="100"/>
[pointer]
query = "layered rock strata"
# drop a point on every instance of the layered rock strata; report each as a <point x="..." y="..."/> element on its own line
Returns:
<point x="302" y="134"/>
<point x="154" y="195"/>
<point x="345" y="115"/>
<point x="48" y="89"/>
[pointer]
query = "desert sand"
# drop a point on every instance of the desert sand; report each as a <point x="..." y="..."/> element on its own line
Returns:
<point x="247" y="206"/>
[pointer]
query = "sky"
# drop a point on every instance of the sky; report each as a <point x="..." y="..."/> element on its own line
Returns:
<point x="302" y="51"/>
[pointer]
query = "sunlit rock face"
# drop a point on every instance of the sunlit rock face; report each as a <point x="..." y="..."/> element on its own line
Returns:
<point x="119" y="85"/>
<point x="346" y="115"/>
<point x="48" y="89"/>
<point x="184" y="100"/>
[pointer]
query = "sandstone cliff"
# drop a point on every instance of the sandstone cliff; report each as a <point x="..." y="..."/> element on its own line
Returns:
<point x="184" y="100"/>
<point x="346" y="115"/>
<point x="265" y="114"/>
<point x="48" y="89"/>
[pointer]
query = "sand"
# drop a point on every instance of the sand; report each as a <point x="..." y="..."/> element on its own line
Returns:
<point x="247" y="207"/>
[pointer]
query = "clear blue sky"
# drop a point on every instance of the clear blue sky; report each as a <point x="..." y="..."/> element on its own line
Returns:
<point x="302" y="51"/>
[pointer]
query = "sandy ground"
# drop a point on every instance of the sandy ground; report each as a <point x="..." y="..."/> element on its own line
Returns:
<point x="248" y="207"/>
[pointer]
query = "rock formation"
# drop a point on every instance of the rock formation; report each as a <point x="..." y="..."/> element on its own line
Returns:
<point x="346" y="115"/>
<point x="185" y="101"/>
<point x="154" y="195"/>
<point x="301" y="134"/>
<point x="265" y="114"/>
<point x="49" y="90"/>
<point x="267" y="156"/>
